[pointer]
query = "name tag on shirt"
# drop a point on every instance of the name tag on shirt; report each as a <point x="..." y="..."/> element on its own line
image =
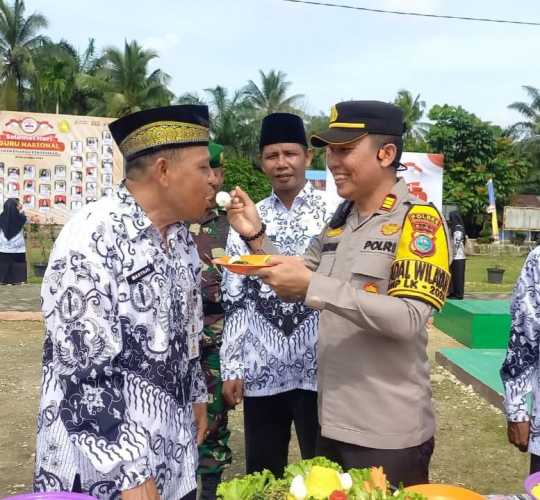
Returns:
<point x="329" y="247"/>
<point x="193" y="345"/>
<point x="140" y="274"/>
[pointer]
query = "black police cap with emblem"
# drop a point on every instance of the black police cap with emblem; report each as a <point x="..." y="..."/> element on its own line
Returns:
<point x="282" y="127"/>
<point x="351" y="120"/>
<point x="151" y="130"/>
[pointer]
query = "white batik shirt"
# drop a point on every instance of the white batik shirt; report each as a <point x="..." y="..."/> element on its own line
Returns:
<point x="268" y="343"/>
<point x="123" y="315"/>
<point x="520" y="373"/>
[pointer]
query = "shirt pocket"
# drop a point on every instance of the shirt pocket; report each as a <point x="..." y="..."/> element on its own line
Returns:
<point x="371" y="273"/>
<point x="326" y="263"/>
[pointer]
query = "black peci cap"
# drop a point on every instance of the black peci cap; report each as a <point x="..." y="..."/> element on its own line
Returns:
<point x="151" y="130"/>
<point x="351" y="120"/>
<point x="282" y="127"/>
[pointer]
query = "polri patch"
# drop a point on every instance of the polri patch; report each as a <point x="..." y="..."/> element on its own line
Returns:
<point x="380" y="246"/>
<point x="140" y="274"/>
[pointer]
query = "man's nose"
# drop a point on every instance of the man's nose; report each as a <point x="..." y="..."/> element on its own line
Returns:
<point x="212" y="179"/>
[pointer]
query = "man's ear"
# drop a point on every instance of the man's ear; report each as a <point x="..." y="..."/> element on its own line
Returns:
<point x="387" y="154"/>
<point x="160" y="171"/>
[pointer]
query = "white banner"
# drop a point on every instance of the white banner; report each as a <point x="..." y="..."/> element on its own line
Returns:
<point x="424" y="177"/>
<point x="55" y="164"/>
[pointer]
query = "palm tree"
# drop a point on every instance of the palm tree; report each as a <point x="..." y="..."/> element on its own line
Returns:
<point x="125" y="84"/>
<point x="271" y="96"/>
<point x="530" y="127"/>
<point x="18" y="39"/>
<point x="413" y="111"/>
<point x="527" y="133"/>
<point x="232" y="121"/>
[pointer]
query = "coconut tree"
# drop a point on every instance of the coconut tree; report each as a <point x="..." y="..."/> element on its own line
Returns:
<point x="527" y="135"/>
<point x="56" y="83"/>
<point x="413" y="111"/>
<point x="271" y="96"/>
<point x="125" y="83"/>
<point x="19" y="37"/>
<point x="232" y="121"/>
<point x="529" y="128"/>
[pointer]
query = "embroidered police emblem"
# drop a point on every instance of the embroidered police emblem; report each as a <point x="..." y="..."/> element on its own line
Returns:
<point x="142" y="296"/>
<point x="72" y="304"/>
<point x="424" y="227"/>
<point x="371" y="288"/>
<point x="332" y="233"/>
<point x="390" y="229"/>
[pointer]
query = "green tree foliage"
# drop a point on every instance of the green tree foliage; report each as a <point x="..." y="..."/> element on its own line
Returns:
<point x="271" y="96"/>
<point x="242" y="172"/>
<point x="125" y="84"/>
<point x="317" y="123"/>
<point x="527" y="135"/>
<point x="474" y="152"/>
<point x="19" y="37"/>
<point x="413" y="112"/>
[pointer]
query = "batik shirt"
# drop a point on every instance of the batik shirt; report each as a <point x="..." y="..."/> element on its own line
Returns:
<point x="520" y="372"/>
<point x="123" y="316"/>
<point x="268" y="343"/>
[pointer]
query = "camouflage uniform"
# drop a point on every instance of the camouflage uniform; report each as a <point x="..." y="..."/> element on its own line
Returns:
<point x="210" y="236"/>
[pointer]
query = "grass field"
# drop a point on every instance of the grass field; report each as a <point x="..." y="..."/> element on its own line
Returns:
<point x="476" y="274"/>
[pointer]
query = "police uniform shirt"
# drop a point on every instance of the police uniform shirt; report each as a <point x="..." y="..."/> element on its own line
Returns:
<point x="374" y="374"/>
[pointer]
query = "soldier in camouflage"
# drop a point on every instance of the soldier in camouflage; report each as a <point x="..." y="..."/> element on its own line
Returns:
<point x="210" y="236"/>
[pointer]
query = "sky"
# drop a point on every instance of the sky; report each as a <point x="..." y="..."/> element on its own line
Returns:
<point x="328" y="54"/>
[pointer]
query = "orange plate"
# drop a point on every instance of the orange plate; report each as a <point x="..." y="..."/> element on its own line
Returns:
<point x="254" y="262"/>
<point x="444" y="492"/>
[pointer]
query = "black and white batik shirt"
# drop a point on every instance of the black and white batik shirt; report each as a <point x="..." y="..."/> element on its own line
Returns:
<point x="268" y="343"/>
<point x="123" y="315"/>
<point x="520" y="371"/>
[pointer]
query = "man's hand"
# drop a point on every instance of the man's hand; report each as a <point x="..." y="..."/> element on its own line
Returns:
<point x="242" y="214"/>
<point x="145" y="491"/>
<point x="518" y="434"/>
<point x="233" y="392"/>
<point x="288" y="276"/>
<point x="201" y="421"/>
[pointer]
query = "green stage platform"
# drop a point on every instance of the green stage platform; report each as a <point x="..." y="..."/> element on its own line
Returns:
<point x="478" y="368"/>
<point x="478" y="324"/>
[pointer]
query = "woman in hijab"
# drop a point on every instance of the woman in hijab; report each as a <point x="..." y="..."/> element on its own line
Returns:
<point x="12" y="246"/>
<point x="457" y="269"/>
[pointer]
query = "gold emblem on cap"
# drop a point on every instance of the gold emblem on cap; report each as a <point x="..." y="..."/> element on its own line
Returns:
<point x="333" y="113"/>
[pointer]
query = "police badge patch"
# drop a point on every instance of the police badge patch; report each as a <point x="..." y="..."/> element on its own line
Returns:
<point x="421" y="266"/>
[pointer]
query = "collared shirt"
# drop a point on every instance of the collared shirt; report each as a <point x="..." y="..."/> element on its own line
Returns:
<point x="268" y="343"/>
<point x="123" y="316"/>
<point x="520" y="371"/>
<point x="210" y="236"/>
<point x="14" y="245"/>
<point x="373" y="373"/>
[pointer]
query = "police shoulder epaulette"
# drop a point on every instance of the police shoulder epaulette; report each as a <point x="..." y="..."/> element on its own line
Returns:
<point x="421" y="266"/>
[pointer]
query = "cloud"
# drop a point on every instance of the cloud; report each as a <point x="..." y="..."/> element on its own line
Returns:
<point x="161" y="43"/>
